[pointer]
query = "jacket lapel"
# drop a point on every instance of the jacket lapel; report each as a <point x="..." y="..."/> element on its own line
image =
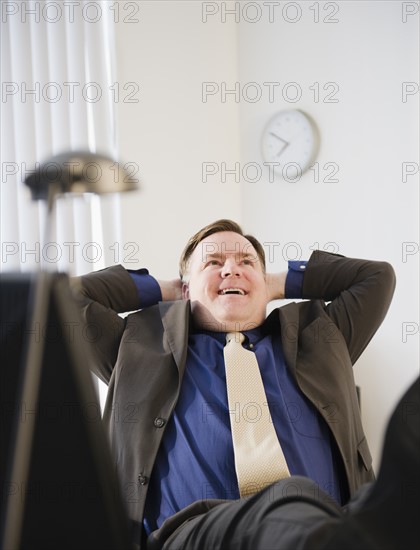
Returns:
<point x="289" y="323"/>
<point x="175" y="319"/>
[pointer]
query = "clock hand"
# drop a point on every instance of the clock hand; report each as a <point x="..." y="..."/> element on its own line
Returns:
<point x="282" y="149"/>
<point x="286" y="143"/>
<point x="278" y="137"/>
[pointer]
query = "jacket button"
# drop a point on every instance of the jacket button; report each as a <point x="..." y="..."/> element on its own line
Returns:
<point x="143" y="479"/>
<point x="159" y="422"/>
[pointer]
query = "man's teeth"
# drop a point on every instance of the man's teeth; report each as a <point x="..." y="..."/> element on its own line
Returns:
<point x="232" y="291"/>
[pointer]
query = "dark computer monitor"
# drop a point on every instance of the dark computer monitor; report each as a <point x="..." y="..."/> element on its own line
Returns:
<point x="59" y="487"/>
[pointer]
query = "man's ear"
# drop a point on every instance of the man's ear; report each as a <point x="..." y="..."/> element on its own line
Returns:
<point x="185" y="291"/>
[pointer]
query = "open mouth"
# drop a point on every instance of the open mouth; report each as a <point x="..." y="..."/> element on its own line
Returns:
<point x="237" y="291"/>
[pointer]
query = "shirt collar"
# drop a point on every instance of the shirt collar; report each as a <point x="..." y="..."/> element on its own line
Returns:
<point x="253" y="336"/>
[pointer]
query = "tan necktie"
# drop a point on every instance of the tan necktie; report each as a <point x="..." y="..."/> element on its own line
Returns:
<point x="259" y="459"/>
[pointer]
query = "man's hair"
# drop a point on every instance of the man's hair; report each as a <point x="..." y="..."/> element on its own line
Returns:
<point x="216" y="227"/>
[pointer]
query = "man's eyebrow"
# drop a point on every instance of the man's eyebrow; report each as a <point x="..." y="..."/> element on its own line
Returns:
<point x="212" y="256"/>
<point x="219" y="255"/>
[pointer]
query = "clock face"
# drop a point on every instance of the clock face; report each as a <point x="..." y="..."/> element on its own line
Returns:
<point x="290" y="143"/>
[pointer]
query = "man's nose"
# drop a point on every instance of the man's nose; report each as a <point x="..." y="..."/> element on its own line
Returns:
<point x="231" y="269"/>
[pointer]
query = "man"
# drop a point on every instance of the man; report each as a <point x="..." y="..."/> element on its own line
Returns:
<point x="167" y="411"/>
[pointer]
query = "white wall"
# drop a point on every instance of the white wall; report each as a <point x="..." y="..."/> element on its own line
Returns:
<point x="370" y="212"/>
<point x="171" y="132"/>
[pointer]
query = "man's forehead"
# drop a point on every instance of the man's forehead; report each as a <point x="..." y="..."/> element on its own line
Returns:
<point x="223" y="245"/>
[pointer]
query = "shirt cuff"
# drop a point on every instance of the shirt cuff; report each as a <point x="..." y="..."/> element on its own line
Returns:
<point x="294" y="279"/>
<point x="148" y="288"/>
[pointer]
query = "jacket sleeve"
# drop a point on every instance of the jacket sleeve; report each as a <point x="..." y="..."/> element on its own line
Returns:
<point x="102" y="295"/>
<point x="359" y="293"/>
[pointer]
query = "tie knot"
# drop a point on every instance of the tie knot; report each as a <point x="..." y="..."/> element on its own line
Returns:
<point x="236" y="336"/>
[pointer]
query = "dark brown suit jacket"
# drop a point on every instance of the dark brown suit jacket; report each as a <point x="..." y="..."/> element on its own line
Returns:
<point x="142" y="358"/>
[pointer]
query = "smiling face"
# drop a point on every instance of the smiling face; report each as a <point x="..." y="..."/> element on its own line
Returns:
<point x="226" y="284"/>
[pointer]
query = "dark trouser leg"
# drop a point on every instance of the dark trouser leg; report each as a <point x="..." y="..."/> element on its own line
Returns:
<point x="282" y="516"/>
<point x="289" y="516"/>
<point x="389" y="518"/>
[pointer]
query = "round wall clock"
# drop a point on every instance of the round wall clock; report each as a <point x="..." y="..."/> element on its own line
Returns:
<point x="290" y="141"/>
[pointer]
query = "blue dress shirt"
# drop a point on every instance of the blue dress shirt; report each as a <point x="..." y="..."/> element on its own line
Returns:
<point x="195" y="460"/>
